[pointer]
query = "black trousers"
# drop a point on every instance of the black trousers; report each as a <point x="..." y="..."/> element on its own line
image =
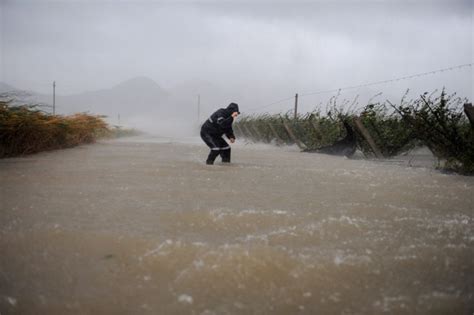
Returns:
<point x="217" y="145"/>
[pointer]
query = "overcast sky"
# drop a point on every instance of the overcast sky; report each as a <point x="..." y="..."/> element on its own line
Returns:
<point x="269" y="48"/>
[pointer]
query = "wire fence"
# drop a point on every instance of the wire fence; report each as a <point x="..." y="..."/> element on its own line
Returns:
<point x="445" y="124"/>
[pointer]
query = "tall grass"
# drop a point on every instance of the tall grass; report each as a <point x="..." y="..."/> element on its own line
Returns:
<point x="26" y="129"/>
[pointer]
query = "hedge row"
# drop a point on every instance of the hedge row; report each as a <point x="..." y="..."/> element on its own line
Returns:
<point x="438" y="122"/>
<point x="26" y="129"/>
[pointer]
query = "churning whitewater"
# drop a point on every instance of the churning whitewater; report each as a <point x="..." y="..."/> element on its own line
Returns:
<point x="143" y="226"/>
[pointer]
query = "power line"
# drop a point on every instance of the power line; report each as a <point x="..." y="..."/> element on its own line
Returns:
<point x="369" y="84"/>
<point x="390" y="80"/>
<point x="276" y="102"/>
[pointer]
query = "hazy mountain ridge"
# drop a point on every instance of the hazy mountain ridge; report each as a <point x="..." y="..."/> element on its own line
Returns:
<point x="6" y="88"/>
<point x="139" y="102"/>
<point x="135" y="95"/>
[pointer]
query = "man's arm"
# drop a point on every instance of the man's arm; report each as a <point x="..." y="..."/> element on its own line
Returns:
<point x="230" y="133"/>
<point x="224" y="123"/>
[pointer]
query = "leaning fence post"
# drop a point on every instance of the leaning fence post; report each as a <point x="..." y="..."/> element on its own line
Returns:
<point x="469" y="111"/>
<point x="300" y="144"/>
<point x="315" y="126"/>
<point x="316" y="129"/>
<point x="365" y="133"/>
<point x="275" y="133"/>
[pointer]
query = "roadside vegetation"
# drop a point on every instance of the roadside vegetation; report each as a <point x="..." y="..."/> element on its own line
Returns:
<point x="27" y="129"/>
<point x="120" y="132"/>
<point x="439" y="122"/>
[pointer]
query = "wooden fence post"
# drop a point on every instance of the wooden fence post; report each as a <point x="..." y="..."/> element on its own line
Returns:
<point x="296" y="106"/>
<point x="365" y="133"/>
<point x="317" y="129"/>
<point x="300" y="144"/>
<point x="275" y="134"/>
<point x="469" y="111"/>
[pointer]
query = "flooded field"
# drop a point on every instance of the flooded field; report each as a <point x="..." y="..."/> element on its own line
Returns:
<point x="142" y="226"/>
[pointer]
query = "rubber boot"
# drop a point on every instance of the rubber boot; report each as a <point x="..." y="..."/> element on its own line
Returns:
<point x="212" y="157"/>
<point x="225" y="155"/>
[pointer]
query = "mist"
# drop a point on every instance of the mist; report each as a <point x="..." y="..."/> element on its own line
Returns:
<point x="236" y="51"/>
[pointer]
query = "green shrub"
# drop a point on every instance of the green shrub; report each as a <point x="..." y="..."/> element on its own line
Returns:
<point x="437" y="122"/>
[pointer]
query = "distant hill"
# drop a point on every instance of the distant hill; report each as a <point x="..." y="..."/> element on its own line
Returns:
<point x="185" y="96"/>
<point x="133" y="96"/>
<point x="136" y="95"/>
<point x="6" y="88"/>
<point x="16" y="96"/>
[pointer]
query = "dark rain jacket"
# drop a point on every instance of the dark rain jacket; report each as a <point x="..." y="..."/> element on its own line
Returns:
<point x="221" y="122"/>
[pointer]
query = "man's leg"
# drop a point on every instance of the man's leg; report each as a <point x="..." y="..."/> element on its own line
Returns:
<point x="225" y="155"/>
<point x="212" y="157"/>
<point x="209" y="140"/>
<point x="224" y="149"/>
<point x="218" y="147"/>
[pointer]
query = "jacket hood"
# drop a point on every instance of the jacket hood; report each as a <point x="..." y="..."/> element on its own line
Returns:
<point x="233" y="107"/>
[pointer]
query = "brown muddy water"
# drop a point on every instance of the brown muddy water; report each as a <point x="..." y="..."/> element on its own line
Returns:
<point x="142" y="226"/>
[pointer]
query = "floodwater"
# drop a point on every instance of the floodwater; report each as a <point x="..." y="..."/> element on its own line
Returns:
<point x="142" y="226"/>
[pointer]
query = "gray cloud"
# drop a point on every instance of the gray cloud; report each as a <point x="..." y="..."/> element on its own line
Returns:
<point x="255" y="51"/>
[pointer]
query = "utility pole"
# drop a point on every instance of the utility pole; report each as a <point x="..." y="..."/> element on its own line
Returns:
<point x="118" y="118"/>
<point x="54" y="97"/>
<point x="296" y="105"/>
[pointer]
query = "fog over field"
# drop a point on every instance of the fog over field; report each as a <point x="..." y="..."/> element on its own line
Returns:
<point x="153" y="58"/>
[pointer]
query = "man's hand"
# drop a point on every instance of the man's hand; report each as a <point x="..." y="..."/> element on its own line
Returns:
<point x="232" y="140"/>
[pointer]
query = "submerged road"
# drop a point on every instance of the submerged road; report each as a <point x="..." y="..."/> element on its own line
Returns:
<point x="143" y="226"/>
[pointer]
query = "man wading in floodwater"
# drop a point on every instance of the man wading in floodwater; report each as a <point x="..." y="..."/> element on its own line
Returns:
<point x="215" y="127"/>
